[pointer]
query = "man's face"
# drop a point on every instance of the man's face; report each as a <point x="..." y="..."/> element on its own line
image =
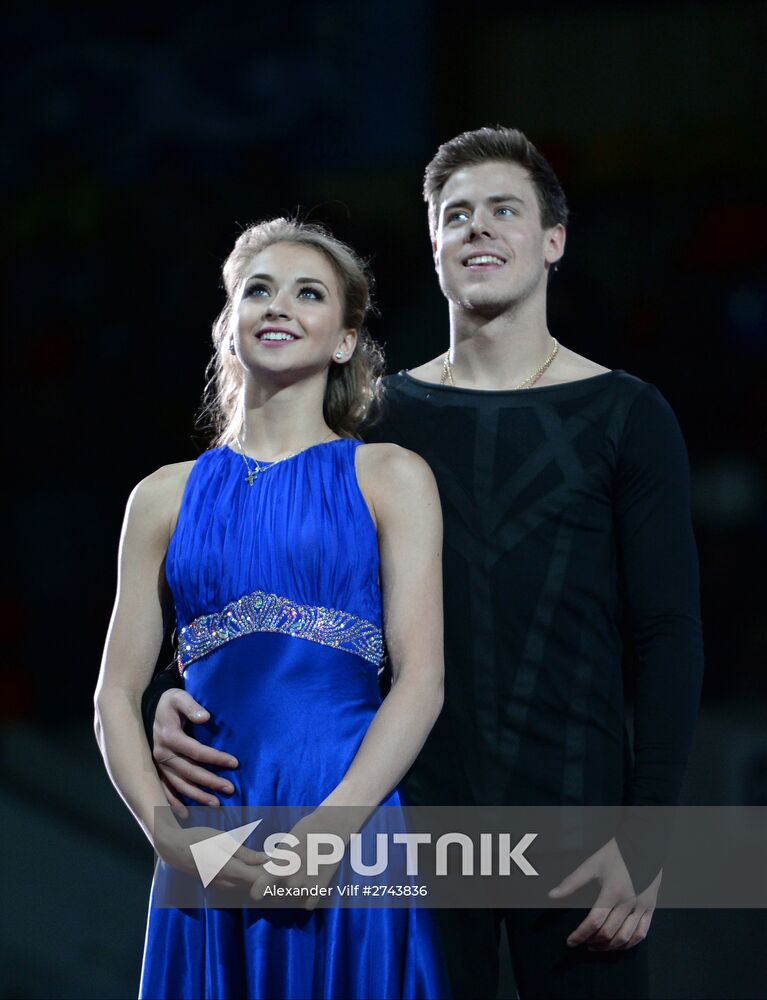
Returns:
<point x="489" y="248"/>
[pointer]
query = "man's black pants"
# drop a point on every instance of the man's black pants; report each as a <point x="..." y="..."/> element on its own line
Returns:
<point x="544" y="966"/>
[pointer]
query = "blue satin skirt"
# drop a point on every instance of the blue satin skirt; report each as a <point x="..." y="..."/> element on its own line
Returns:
<point x="294" y="713"/>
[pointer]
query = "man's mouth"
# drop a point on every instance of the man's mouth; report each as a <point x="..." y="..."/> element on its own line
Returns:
<point x="483" y="260"/>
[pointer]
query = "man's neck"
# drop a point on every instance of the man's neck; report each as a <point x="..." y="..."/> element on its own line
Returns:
<point x="500" y="352"/>
<point x="497" y="352"/>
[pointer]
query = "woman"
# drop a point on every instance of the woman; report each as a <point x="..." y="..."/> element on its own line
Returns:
<point x="284" y="547"/>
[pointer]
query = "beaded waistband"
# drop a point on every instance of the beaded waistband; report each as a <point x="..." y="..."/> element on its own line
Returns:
<point x="262" y="612"/>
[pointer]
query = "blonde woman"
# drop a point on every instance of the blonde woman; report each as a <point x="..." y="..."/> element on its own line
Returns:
<point x="286" y="516"/>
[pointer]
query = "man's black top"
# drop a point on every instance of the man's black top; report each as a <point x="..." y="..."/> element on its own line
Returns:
<point x="567" y="531"/>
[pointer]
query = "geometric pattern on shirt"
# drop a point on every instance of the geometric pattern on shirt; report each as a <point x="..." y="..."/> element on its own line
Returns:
<point x="486" y="529"/>
<point x="263" y="612"/>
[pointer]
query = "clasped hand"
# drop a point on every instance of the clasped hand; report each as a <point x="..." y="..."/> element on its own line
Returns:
<point x="244" y="869"/>
<point x="174" y="843"/>
<point x="315" y="822"/>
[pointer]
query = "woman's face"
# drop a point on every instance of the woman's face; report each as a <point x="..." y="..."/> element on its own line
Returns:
<point x="290" y="312"/>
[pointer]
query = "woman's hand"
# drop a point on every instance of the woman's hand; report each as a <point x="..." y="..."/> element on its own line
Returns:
<point x="316" y="822"/>
<point x="174" y="843"/>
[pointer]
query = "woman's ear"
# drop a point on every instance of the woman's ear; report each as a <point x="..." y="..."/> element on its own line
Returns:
<point x="347" y="345"/>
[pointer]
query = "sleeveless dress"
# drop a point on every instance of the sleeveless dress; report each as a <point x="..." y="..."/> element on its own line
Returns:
<point x="278" y="603"/>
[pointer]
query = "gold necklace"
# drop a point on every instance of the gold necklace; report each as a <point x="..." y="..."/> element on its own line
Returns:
<point x="447" y="371"/>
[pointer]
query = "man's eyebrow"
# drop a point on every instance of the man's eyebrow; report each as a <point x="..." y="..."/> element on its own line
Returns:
<point x="298" y="281"/>
<point x="493" y="199"/>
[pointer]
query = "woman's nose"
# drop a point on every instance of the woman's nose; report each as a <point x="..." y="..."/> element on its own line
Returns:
<point x="277" y="307"/>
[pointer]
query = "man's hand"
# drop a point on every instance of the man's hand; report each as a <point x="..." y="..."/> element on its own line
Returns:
<point x="177" y="755"/>
<point x="619" y="919"/>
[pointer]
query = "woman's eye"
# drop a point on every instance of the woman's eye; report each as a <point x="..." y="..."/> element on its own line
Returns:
<point x="257" y="290"/>
<point x="314" y="293"/>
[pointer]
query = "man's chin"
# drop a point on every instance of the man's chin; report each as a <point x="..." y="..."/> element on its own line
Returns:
<point x="485" y="305"/>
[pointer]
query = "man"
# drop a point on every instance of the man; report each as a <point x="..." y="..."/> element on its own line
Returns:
<point x="565" y="497"/>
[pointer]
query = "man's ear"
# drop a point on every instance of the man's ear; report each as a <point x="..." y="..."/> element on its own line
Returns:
<point x="554" y="243"/>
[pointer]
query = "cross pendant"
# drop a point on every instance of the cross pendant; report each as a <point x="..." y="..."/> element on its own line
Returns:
<point x="252" y="476"/>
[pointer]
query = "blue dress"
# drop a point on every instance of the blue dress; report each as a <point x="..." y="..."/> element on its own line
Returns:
<point x="277" y="594"/>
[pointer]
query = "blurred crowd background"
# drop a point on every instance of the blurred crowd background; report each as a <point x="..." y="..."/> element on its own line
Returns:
<point x="140" y="139"/>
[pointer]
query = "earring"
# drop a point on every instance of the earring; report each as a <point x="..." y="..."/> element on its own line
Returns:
<point x="339" y="354"/>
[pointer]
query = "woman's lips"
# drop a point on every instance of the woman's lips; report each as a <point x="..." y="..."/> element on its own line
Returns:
<point x="268" y="338"/>
<point x="276" y="343"/>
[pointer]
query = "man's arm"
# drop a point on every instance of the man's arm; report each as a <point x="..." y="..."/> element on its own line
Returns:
<point x="659" y="574"/>
<point x="659" y="570"/>
<point x="166" y="680"/>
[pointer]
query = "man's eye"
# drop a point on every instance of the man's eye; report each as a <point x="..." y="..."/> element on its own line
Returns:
<point x="456" y="215"/>
<point x="505" y="208"/>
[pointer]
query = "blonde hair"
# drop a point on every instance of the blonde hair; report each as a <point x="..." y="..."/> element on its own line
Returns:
<point x="354" y="392"/>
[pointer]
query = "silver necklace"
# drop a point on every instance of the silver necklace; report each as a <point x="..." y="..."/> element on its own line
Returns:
<point x="253" y="474"/>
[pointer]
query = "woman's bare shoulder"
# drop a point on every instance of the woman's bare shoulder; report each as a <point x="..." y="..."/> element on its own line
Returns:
<point x="167" y="480"/>
<point x="388" y="472"/>
<point x="385" y="456"/>
<point x="159" y="494"/>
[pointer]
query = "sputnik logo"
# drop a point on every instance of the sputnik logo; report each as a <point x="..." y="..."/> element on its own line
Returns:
<point x="210" y="855"/>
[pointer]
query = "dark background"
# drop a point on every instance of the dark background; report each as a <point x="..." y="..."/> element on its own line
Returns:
<point x="140" y="141"/>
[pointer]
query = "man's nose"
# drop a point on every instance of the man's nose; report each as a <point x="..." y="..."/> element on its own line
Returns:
<point x="481" y="225"/>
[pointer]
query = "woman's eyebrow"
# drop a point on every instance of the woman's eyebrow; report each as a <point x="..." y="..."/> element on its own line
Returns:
<point x="298" y="281"/>
<point x="315" y="281"/>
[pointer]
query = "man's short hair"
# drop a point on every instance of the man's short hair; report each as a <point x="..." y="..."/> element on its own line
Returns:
<point x="489" y="144"/>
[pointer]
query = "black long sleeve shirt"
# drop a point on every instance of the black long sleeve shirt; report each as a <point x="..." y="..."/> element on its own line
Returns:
<point x="567" y="534"/>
